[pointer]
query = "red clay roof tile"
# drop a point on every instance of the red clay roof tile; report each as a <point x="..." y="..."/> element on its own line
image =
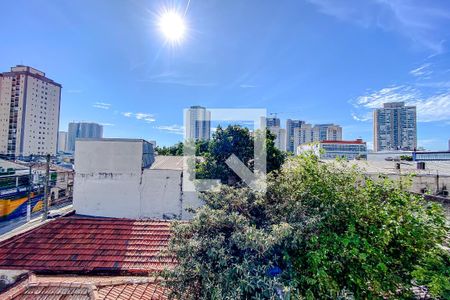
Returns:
<point x="82" y="244"/>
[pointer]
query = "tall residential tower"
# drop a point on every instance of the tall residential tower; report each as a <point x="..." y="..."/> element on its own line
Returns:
<point x="395" y="127"/>
<point x="197" y="123"/>
<point x="82" y="130"/>
<point x="29" y="112"/>
<point x="291" y="126"/>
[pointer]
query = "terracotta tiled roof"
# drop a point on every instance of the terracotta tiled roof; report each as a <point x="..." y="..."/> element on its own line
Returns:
<point x="130" y="290"/>
<point x="86" y="288"/>
<point x="40" y="291"/>
<point x="89" y="245"/>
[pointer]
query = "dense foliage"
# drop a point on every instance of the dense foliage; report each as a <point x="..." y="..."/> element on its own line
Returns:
<point x="239" y="141"/>
<point x="233" y="139"/>
<point x="175" y="150"/>
<point x="322" y="231"/>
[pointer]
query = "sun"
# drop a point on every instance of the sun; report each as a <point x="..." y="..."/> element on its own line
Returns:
<point x="172" y="25"/>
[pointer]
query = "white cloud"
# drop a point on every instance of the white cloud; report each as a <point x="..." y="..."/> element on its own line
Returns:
<point x="436" y="84"/>
<point x="145" y="117"/>
<point x="175" y="78"/>
<point x="422" y="71"/>
<point x="148" y="118"/>
<point x="107" y="124"/>
<point x="175" y="129"/>
<point x="102" y="105"/>
<point x="362" y="118"/>
<point x="434" y="107"/>
<point x="423" y="22"/>
<point x="248" y="86"/>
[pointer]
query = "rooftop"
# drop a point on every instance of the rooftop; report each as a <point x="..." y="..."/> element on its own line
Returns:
<point x="86" y="245"/>
<point x="406" y="167"/>
<point x="84" y="287"/>
<point x="163" y="162"/>
<point x="358" y="141"/>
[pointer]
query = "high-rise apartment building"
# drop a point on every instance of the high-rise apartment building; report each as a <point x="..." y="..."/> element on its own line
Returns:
<point x="329" y="132"/>
<point x="280" y="137"/>
<point x="273" y="125"/>
<point x="62" y="141"/>
<point x="197" y="123"/>
<point x="82" y="130"/>
<point x="305" y="134"/>
<point x="395" y="127"/>
<point x="291" y="125"/>
<point x="29" y="112"/>
<point x="272" y="122"/>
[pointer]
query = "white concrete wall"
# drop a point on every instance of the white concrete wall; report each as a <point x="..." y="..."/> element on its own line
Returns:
<point x="110" y="182"/>
<point x="161" y="194"/>
<point x="108" y="156"/>
<point x="431" y="183"/>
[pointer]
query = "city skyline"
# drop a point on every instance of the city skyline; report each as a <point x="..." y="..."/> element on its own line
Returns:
<point x="123" y="75"/>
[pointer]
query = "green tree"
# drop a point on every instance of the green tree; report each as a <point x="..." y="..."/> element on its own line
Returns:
<point x="322" y="231"/>
<point x="239" y="141"/>
<point x="175" y="150"/>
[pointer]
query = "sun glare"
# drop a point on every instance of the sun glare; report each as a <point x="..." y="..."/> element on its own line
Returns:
<point x="172" y="26"/>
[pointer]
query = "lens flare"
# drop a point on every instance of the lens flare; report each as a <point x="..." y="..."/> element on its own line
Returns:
<point x="172" y="25"/>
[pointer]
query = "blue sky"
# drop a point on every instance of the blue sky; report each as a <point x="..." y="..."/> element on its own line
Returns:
<point x="315" y="60"/>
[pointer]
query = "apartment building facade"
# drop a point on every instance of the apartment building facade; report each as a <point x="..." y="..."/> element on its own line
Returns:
<point x="291" y="125"/>
<point x="197" y="123"/>
<point x="349" y="150"/>
<point x="62" y="141"/>
<point x="395" y="127"/>
<point x="308" y="133"/>
<point x="29" y="112"/>
<point x="82" y="130"/>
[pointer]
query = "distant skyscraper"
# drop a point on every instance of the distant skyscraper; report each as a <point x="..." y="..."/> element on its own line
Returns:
<point x="83" y="130"/>
<point x="291" y="125"/>
<point x="280" y="137"/>
<point x="395" y="127"/>
<point x="329" y="132"/>
<point x="272" y="122"/>
<point x="273" y="125"/>
<point x="198" y="123"/>
<point x="305" y="134"/>
<point x="62" y="141"/>
<point x="29" y="112"/>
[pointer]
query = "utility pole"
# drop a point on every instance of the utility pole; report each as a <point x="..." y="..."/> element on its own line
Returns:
<point x="47" y="175"/>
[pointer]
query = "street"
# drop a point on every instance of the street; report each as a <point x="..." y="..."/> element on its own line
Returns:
<point x="17" y="225"/>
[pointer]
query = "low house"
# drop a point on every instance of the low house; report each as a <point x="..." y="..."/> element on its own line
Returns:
<point x="94" y="258"/>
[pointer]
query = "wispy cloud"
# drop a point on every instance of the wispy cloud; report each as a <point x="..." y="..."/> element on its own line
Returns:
<point x="175" y="129"/>
<point x="145" y="117"/>
<point x="101" y="105"/>
<point x="148" y="118"/>
<point x="107" y="124"/>
<point x="435" y="84"/>
<point x="248" y="86"/>
<point x="434" y="107"/>
<point x="175" y="78"/>
<point x="362" y="118"/>
<point x="422" y="71"/>
<point x="420" y="21"/>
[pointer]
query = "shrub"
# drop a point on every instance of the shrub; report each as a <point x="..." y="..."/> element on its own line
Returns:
<point x="322" y="231"/>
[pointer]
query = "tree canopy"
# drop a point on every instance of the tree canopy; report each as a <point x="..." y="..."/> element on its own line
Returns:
<point x="235" y="140"/>
<point x="322" y="231"/>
